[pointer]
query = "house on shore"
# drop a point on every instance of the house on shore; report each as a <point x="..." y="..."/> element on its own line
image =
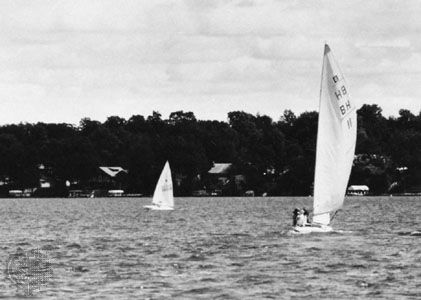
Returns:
<point x="357" y="190"/>
<point x="47" y="185"/>
<point x="42" y="185"/>
<point x="222" y="179"/>
<point x="108" y="179"/>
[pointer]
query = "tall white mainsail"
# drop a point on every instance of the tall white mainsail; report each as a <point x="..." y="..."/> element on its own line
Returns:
<point x="163" y="196"/>
<point x="336" y="138"/>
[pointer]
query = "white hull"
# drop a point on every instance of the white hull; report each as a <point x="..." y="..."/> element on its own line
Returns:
<point x="155" y="207"/>
<point x="311" y="229"/>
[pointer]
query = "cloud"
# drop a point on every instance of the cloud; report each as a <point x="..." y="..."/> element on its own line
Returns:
<point x="104" y="57"/>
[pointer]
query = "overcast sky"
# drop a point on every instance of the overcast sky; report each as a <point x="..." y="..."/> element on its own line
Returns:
<point x="64" y="60"/>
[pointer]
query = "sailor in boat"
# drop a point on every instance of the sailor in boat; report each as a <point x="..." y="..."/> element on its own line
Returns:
<point x="295" y="216"/>
<point x="307" y="216"/>
<point x="300" y="217"/>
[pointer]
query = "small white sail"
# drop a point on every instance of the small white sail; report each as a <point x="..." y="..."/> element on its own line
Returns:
<point x="336" y="138"/>
<point x="163" y="197"/>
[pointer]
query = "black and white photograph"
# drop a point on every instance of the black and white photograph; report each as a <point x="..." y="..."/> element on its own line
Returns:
<point x="210" y="149"/>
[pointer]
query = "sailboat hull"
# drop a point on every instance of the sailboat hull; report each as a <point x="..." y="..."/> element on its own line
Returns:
<point x="155" y="207"/>
<point x="311" y="229"/>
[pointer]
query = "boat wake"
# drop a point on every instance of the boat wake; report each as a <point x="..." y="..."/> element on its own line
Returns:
<point x="332" y="232"/>
<point x="410" y="233"/>
<point x="342" y="231"/>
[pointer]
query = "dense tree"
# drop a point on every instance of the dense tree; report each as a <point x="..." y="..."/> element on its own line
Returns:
<point x="276" y="157"/>
<point x="181" y="117"/>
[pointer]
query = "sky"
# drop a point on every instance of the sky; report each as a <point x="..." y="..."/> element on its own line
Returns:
<point x="61" y="60"/>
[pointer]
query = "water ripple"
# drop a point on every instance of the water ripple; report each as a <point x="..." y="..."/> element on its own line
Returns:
<point x="217" y="248"/>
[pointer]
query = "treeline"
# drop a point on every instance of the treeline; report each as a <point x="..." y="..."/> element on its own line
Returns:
<point x="276" y="157"/>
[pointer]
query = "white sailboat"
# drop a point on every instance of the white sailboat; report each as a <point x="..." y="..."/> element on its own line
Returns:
<point x="336" y="138"/>
<point x="163" y="197"/>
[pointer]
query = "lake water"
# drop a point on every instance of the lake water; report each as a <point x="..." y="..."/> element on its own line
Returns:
<point x="215" y="248"/>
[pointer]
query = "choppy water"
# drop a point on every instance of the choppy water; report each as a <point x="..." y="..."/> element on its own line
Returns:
<point x="216" y="248"/>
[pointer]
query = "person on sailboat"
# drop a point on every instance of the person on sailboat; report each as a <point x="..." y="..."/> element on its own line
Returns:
<point x="306" y="216"/>
<point x="301" y="218"/>
<point x="295" y="216"/>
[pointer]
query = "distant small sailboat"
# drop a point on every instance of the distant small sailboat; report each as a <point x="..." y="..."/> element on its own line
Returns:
<point x="336" y="138"/>
<point x="163" y="197"/>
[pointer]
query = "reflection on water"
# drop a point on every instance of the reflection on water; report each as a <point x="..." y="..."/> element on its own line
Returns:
<point x="219" y="248"/>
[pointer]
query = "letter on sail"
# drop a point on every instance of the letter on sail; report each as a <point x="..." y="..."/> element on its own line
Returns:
<point x="336" y="137"/>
